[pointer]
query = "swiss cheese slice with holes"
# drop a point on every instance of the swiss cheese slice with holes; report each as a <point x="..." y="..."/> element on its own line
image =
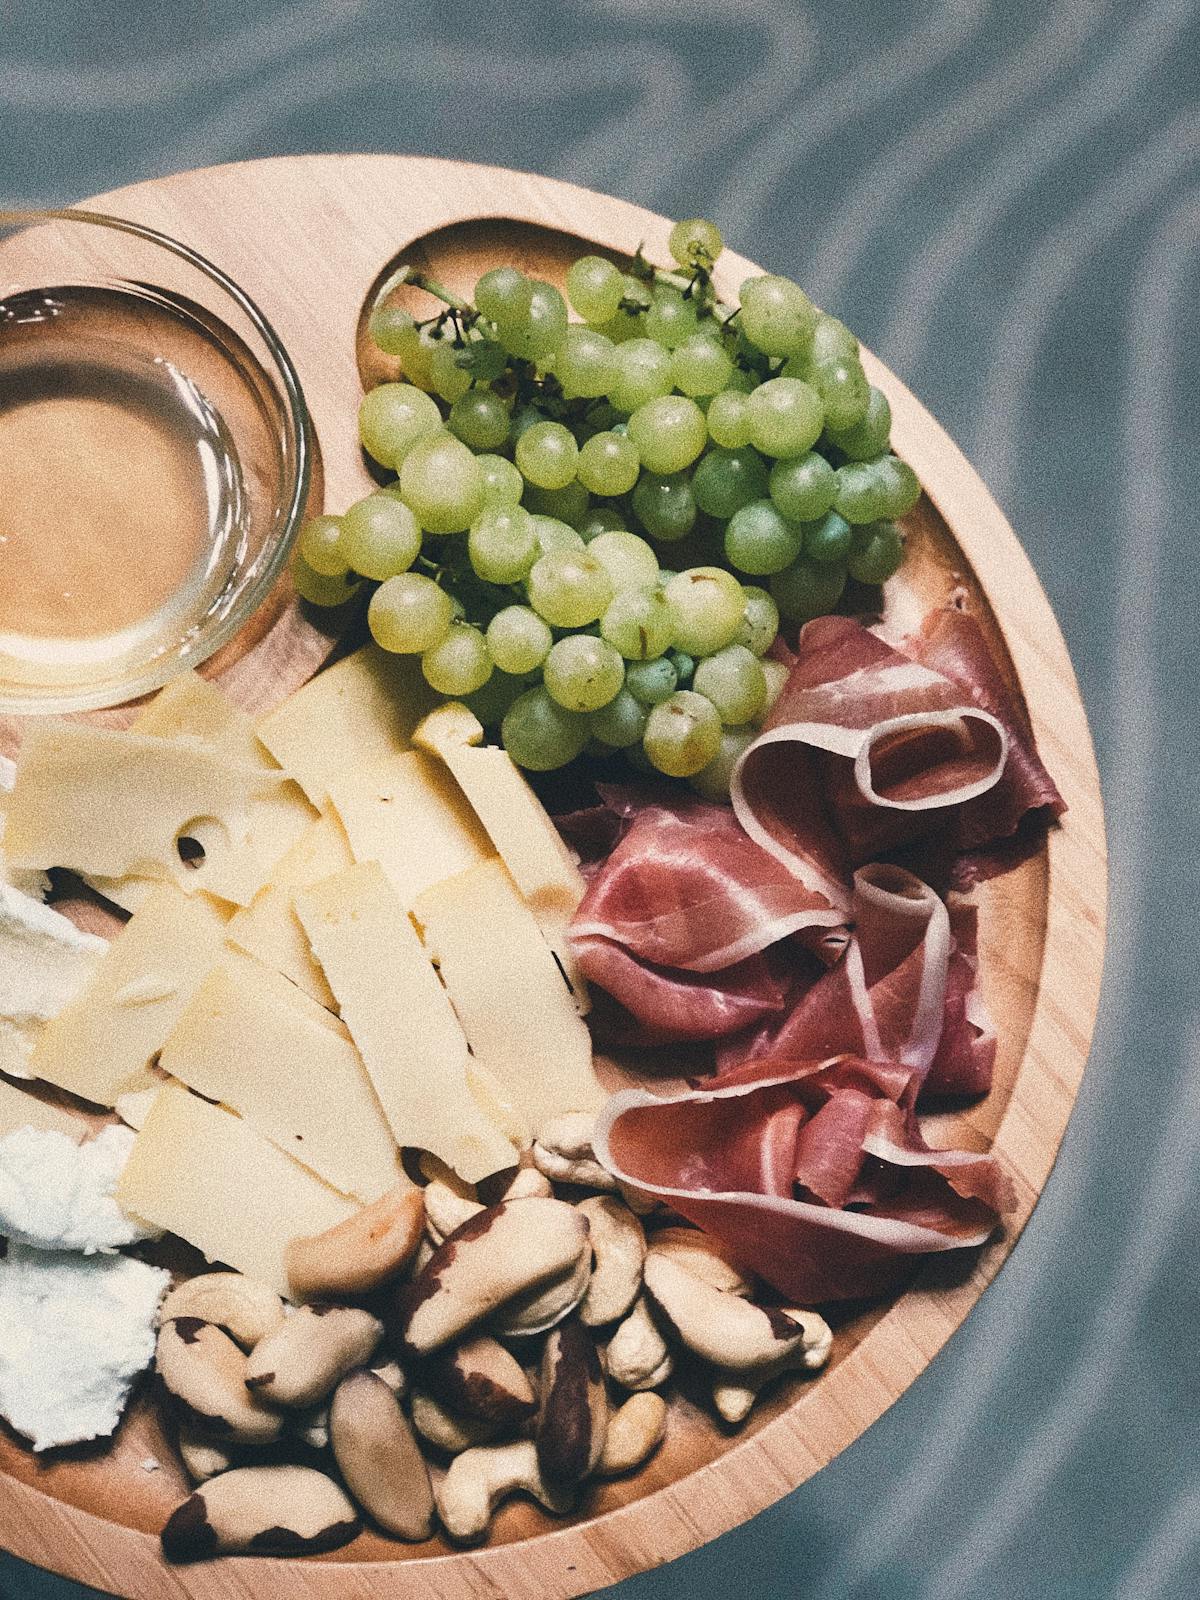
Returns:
<point x="256" y="1043"/>
<point x="409" y="814"/>
<point x="353" y="715"/>
<point x="401" y="1020"/>
<point x="203" y="1173"/>
<point x="102" y="1044"/>
<point x="518" y="825"/>
<point x="503" y="981"/>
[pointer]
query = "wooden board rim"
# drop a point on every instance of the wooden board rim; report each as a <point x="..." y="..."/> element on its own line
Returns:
<point x="760" y="1469"/>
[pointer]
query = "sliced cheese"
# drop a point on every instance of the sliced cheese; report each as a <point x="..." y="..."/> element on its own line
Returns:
<point x="45" y="962"/>
<point x="20" y="1109"/>
<point x="401" y="1020"/>
<point x="105" y="801"/>
<point x="514" y="1007"/>
<point x="269" y="929"/>
<point x="253" y="1041"/>
<point x="199" y="1171"/>
<point x="354" y="714"/>
<point x="517" y="824"/>
<point x="409" y="814"/>
<point x="102" y="1045"/>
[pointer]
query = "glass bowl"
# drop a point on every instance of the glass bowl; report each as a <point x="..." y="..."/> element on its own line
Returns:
<point x="155" y="456"/>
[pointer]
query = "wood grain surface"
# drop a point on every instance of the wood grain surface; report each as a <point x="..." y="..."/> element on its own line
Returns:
<point x="310" y="238"/>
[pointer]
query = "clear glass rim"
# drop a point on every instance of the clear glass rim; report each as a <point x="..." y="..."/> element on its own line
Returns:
<point x="297" y="463"/>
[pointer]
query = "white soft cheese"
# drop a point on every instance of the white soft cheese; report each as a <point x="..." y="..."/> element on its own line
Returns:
<point x="27" y="879"/>
<point x="75" y="1331"/>
<point x="45" y="961"/>
<point x="58" y="1195"/>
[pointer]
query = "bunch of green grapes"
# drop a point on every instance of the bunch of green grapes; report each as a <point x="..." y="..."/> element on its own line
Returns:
<point x="596" y="526"/>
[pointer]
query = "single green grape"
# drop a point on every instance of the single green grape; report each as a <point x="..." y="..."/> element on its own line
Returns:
<point x="643" y="373"/>
<point x="594" y="288"/>
<point x="671" y="318"/>
<point x="900" y="488"/>
<point x="868" y="438"/>
<point x="707" y="604"/>
<point x="540" y="333"/>
<point x="621" y="722"/>
<point x="518" y="639"/>
<point x="443" y="483"/>
<point x="832" y="340"/>
<point x="777" y="316"/>
<point x="861" y="492"/>
<point x="502" y="482"/>
<point x="448" y="379"/>
<point x="877" y="552"/>
<point x="712" y="782"/>
<point x="669" y="433"/>
<point x="502" y="544"/>
<point x="845" y="393"/>
<point x="320" y="590"/>
<point x="503" y="295"/>
<point x="569" y="588"/>
<point x="640" y="623"/>
<point x="569" y="505"/>
<point x="786" y="417"/>
<point x="583" y="673"/>
<point x="628" y="560"/>
<point x="695" y="242"/>
<point x="828" y="539"/>
<point x="608" y="464"/>
<point x="729" y="419"/>
<point x="776" y="673"/>
<point x="651" y="682"/>
<point x="548" y="455"/>
<point x="683" y="734"/>
<point x="808" y="588"/>
<point x="700" y="365"/>
<point x="409" y="614"/>
<point x="733" y="680"/>
<point x="521" y="420"/>
<point x="803" y="487"/>
<point x="587" y="364"/>
<point x="320" y="545"/>
<point x="416" y="358"/>
<point x="392" y="417"/>
<point x="539" y="734"/>
<point x="460" y="664"/>
<point x="758" y="540"/>
<point x="601" y="519"/>
<point x="726" y="480"/>
<point x="392" y="328"/>
<point x="665" y="505"/>
<point x="480" y="419"/>
<point x="552" y="533"/>
<point x="760" y="621"/>
<point x="685" y="666"/>
<point x="380" y="536"/>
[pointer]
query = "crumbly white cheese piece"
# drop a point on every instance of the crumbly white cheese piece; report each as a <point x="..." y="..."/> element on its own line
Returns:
<point x="27" y="879"/>
<point x="58" y="1195"/>
<point x="75" y="1331"/>
<point x="45" y="961"/>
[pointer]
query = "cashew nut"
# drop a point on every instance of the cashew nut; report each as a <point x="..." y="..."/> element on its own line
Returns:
<point x="635" y="1431"/>
<point x="279" y="1511"/>
<point x="573" y="1415"/>
<point x="536" y="1312"/>
<point x="444" y="1429"/>
<point x="511" y="1249"/>
<point x="205" y="1373"/>
<point x="720" y="1328"/>
<point x="618" y="1249"/>
<point x="378" y="1457"/>
<point x="300" y="1363"/>
<point x="637" y="1356"/>
<point x="202" y="1457"/>
<point x="357" y="1255"/>
<point x="563" y="1151"/>
<point x="734" y="1395"/>
<point x="247" y="1309"/>
<point x="479" y="1378"/>
<point x="705" y="1256"/>
<point x="479" y="1479"/>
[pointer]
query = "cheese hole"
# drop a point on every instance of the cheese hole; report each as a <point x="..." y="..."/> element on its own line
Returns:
<point x="198" y="840"/>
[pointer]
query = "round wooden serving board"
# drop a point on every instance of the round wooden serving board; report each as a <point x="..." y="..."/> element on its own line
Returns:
<point x="310" y="238"/>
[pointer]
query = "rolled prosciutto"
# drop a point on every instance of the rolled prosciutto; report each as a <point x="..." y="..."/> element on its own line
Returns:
<point x="815" y="1173"/>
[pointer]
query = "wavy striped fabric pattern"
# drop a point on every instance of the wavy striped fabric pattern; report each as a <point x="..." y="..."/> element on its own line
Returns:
<point x="1003" y="199"/>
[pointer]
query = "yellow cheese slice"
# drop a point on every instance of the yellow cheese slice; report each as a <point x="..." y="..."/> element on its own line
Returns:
<point x="269" y="929"/>
<point x="101" y="1046"/>
<point x="253" y="1041"/>
<point x="20" y="1109"/>
<point x="517" y="824"/>
<point x="102" y="800"/>
<point x="401" y="1020"/>
<point x="354" y="714"/>
<point x="409" y="814"/>
<point x="202" y="1173"/>
<point x="502" y="979"/>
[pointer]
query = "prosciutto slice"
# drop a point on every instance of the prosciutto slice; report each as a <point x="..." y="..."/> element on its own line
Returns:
<point x="814" y="1172"/>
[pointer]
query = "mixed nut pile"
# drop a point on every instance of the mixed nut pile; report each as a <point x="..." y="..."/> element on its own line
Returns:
<point x="450" y="1353"/>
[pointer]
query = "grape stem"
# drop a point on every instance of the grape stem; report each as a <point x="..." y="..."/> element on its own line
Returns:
<point x="408" y="274"/>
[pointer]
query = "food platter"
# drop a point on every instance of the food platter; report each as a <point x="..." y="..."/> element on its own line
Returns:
<point x="310" y="238"/>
